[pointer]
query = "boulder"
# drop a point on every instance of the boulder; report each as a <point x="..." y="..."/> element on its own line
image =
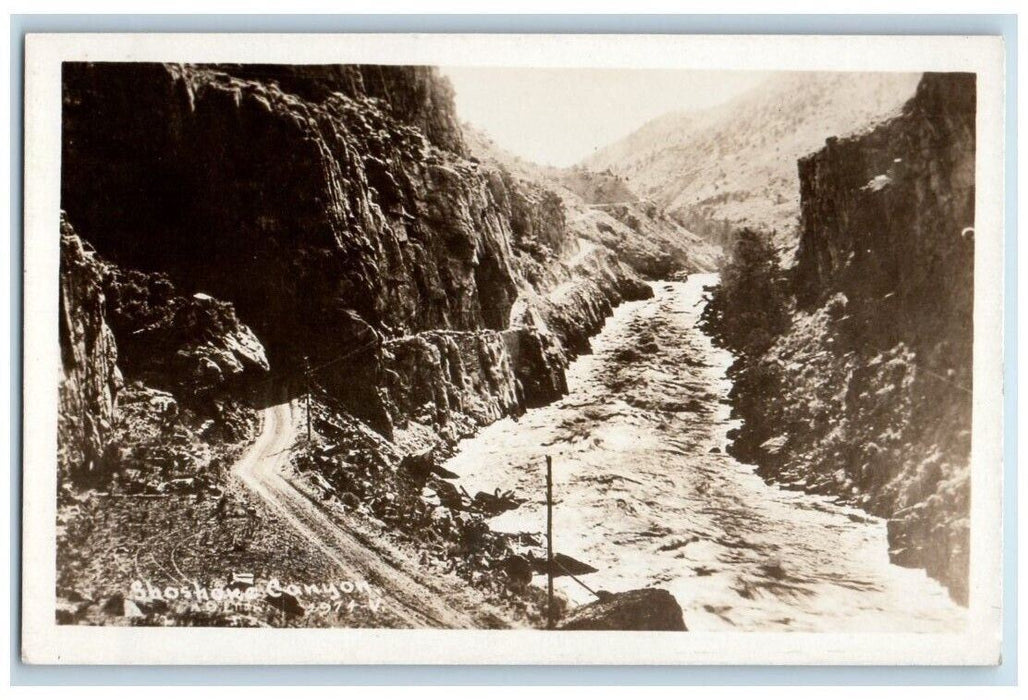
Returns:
<point x="518" y="570"/>
<point x="652" y="609"/>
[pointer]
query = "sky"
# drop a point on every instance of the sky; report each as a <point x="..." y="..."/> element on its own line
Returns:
<point x="558" y="116"/>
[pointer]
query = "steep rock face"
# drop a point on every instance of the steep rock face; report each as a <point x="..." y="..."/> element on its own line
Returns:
<point x="872" y="381"/>
<point x="888" y="216"/>
<point x="412" y="96"/>
<point x="334" y="207"/>
<point x="90" y="378"/>
<point x="316" y="207"/>
<point x="888" y="221"/>
<point x="538" y="365"/>
<point x="434" y="375"/>
<point x="121" y="326"/>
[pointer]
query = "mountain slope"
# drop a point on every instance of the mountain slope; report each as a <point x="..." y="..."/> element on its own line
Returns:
<point x="735" y="164"/>
<point x="604" y="210"/>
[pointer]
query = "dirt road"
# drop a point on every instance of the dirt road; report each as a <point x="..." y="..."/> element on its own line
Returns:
<point x="407" y="601"/>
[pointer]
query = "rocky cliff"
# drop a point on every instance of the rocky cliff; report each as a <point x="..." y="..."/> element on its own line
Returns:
<point x="338" y="210"/>
<point x="888" y="216"/>
<point x="90" y="378"/>
<point x="872" y="378"/>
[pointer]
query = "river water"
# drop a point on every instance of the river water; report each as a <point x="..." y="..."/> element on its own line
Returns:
<point x="645" y="492"/>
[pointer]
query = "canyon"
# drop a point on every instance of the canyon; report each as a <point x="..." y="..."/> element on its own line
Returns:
<point x="238" y="241"/>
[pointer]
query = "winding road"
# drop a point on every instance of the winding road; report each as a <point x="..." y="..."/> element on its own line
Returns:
<point x="406" y="601"/>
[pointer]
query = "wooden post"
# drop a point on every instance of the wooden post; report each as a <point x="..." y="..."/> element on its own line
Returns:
<point x="307" y="377"/>
<point x="550" y="622"/>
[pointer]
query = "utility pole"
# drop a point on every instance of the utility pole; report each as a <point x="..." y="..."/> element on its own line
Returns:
<point x="549" y="543"/>
<point x="307" y="377"/>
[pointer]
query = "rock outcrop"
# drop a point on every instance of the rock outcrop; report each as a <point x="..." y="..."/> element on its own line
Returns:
<point x="650" y="609"/>
<point x="648" y="239"/>
<point x="440" y="376"/>
<point x="412" y="96"/>
<point x="118" y="326"/>
<point x="316" y="207"/>
<point x="888" y="222"/>
<point x="888" y="218"/>
<point x="90" y="378"/>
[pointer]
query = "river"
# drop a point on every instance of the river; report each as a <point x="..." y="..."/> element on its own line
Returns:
<point x="645" y="492"/>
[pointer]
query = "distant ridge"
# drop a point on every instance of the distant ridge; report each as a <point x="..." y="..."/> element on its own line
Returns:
<point x="603" y="209"/>
<point x="735" y="164"/>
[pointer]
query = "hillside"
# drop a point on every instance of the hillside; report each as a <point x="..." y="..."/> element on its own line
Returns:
<point x="735" y="164"/>
<point x="604" y="210"/>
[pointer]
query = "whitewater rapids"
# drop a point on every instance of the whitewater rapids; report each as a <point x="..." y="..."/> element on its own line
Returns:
<point x="646" y="493"/>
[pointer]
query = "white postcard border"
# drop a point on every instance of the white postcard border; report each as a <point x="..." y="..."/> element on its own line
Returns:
<point x="45" y="642"/>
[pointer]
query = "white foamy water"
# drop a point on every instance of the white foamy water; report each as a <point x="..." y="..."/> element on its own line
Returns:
<point x="641" y="496"/>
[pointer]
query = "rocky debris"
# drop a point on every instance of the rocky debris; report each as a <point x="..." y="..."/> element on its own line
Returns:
<point x="161" y="449"/>
<point x="194" y="346"/>
<point x="90" y="378"/>
<point x="354" y="466"/>
<point x="650" y="609"/>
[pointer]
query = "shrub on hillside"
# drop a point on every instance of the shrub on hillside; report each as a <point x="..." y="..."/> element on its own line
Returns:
<point x="750" y="307"/>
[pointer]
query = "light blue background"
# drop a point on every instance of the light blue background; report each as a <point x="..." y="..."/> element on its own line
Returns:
<point x="1006" y="674"/>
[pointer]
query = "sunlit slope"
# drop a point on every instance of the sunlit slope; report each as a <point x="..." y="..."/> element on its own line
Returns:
<point x="735" y="164"/>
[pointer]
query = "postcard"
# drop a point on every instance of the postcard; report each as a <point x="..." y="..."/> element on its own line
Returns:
<point x="511" y="349"/>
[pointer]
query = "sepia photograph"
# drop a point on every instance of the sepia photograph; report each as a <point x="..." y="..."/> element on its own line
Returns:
<point x="528" y="349"/>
